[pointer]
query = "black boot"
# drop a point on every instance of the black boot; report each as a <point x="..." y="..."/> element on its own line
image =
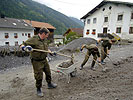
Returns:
<point x="52" y="85"/>
<point x="39" y="92"/>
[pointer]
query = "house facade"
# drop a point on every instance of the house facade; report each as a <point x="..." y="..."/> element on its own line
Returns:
<point x="14" y="31"/>
<point x="58" y="39"/>
<point x="37" y="25"/>
<point x="111" y="17"/>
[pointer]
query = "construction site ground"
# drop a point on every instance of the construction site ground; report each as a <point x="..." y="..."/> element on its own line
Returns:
<point x="18" y="83"/>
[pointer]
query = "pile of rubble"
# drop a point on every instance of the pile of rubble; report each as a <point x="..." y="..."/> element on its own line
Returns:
<point x="76" y="44"/>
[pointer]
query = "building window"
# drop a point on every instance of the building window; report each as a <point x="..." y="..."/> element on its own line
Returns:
<point x="105" y="19"/>
<point x="15" y="35"/>
<point x="16" y="43"/>
<point x="131" y="30"/>
<point x="29" y="35"/>
<point x="94" y="20"/>
<point x="7" y="43"/>
<point x="88" y="21"/>
<point x="22" y="34"/>
<point x="94" y="31"/>
<point x="25" y="34"/>
<point x="6" y="35"/>
<point x="120" y="17"/>
<point x="88" y="31"/>
<point x="118" y="30"/>
<point x="132" y="15"/>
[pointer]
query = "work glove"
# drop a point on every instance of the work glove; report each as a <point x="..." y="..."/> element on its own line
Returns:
<point x="53" y="54"/>
<point x="27" y="48"/>
<point x="96" y="43"/>
<point x="81" y="49"/>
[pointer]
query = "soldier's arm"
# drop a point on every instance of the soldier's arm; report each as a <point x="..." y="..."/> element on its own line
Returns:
<point x="87" y="47"/>
<point x="28" y="43"/>
<point x="109" y="46"/>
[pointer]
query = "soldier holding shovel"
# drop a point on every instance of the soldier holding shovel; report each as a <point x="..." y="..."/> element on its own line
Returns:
<point x="91" y="49"/>
<point x="38" y="59"/>
<point x="105" y="47"/>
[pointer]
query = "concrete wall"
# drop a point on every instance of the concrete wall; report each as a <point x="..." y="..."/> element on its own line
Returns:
<point x="11" y="38"/>
<point x="112" y="23"/>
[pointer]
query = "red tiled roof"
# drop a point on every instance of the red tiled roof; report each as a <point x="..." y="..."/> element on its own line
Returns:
<point x="39" y="24"/>
<point x="78" y="31"/>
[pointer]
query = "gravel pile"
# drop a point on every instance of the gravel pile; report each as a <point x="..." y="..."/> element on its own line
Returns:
<point x="76" y="44"/>
<point x="12" y="61"/>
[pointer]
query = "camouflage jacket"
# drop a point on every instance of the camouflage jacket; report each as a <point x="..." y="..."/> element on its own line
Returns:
<point x="106" y="43"/>
<point x="92" y="48"/>
<point x="36" y="43"/>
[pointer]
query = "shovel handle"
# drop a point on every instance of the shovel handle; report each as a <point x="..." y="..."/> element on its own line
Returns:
<point x="41" y="50"/>
<point x="51" y="52"/>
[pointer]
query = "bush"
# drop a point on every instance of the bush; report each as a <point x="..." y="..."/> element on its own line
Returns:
<point x="70" y="37"/>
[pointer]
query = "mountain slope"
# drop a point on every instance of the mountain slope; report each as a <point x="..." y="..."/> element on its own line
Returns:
<point x="28" y="9"/>
<point x="77" y="21"/>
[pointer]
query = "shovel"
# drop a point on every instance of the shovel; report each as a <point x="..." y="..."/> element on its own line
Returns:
<point x="51" y="52"/>
<point x="109" y="58"/>
<point x="103" y="68"/>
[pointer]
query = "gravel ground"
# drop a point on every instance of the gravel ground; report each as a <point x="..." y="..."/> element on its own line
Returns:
<point x="114" y="84"/>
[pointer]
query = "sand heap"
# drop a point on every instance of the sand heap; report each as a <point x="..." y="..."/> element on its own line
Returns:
<point x="76" y="44"/>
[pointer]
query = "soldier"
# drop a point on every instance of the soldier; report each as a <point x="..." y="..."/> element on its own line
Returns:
<point x="105" y="47"/>
<point x="91" y="49"/>
<point x="38" y="59"/>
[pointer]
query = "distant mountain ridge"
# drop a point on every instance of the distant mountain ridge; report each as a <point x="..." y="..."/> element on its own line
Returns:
<point x="31" y="10"/>
<point x="77" y="21"/>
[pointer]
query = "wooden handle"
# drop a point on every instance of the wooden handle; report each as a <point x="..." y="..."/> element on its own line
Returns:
<point x="51" y="52"/>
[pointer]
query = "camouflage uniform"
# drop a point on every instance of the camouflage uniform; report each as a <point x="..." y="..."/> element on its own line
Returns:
<point x="105" y="45"/>
<point x="38" y="59"/>
<point x="91" y="49"/>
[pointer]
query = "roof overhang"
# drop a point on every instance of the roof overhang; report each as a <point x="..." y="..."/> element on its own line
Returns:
<point x="102" y="4"/>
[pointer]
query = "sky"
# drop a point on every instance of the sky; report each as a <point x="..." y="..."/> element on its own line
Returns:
<point x="74" y="8"/>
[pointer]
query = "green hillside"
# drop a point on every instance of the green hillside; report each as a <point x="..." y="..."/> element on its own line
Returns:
<point x="28" y="9"/>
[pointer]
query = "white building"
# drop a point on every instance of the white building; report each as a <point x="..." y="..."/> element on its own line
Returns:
<point x="109" y="17"/>
<point x="58" y="39"/>
<point x="14" y="31"/>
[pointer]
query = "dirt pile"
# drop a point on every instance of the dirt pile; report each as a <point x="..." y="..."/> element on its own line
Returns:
<point x="76" y="44"/>
<point x="12" y="61"/>
<point x="66" y="64"/>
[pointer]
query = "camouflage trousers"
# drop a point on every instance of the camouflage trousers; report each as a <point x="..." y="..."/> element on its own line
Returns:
<point x="88" y="54"/>
<point x="103" y="53"/>
<point x="39" y="67"/>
